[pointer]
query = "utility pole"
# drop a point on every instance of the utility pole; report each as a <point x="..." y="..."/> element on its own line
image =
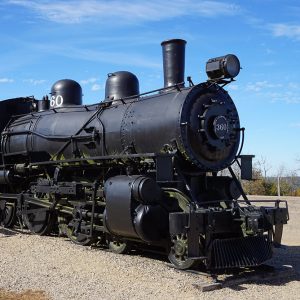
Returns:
<point x="278" y="186"/>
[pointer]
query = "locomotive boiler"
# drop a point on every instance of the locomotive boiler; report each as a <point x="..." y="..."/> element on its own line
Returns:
<point x="138" y="170"/>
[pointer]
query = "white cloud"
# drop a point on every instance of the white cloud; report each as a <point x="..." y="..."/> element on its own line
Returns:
<point x="233" y="87"/>
<point x="129" y="59"/>
<point x="295" y="125"/>
<point x="132" y="59"/>
<point x="289" y="97"/>
<point x="294" y="85"/>
<point x="269" y="51"/>
<point x="269" y="63"/>
<point x="129" y="11"/>
<point x="93" y="82"/>
<point x="286" y="30"/>
<point x="261" y="85"/>
<point x="35" y="81"/>
<point x="88" y="81"/>
<point x="6" y="80"/>
<point x="274" y="92"/>
<point x="96" y="87"/>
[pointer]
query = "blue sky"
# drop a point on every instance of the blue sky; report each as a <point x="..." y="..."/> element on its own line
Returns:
<point x="44" y="41"/>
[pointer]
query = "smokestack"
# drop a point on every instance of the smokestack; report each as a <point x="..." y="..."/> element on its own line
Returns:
<point x="173" y="62"/>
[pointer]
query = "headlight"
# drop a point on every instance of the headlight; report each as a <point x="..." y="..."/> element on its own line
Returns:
<point x="227" y="66"/>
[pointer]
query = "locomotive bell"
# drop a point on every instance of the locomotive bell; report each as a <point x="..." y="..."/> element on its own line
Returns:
<point x="43" y="104"/>
<point x="65" y="92"/>
<point x="121" y="84"/>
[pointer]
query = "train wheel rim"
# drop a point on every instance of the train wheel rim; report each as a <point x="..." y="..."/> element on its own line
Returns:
<point x="78" y="238"/>
<point x="40" y="222"/>
<point x="178" y="253"/>
<point x="9" y="215"/>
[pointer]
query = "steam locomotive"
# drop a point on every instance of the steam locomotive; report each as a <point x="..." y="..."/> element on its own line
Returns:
<point x="138" y="170"/>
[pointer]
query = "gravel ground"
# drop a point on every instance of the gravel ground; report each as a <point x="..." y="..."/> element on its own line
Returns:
<point x="63" y="270"/>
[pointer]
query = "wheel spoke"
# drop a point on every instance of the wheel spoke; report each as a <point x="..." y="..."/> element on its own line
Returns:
<point x="178" y="252"/>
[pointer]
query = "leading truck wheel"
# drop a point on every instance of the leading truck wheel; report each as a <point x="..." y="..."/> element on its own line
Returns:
<point x="178" y="253"/>
<point x="76" y="234"/>
<point x="9" y="215"/>
<point x="118" y="246"/>
<point x="38" y="220"/>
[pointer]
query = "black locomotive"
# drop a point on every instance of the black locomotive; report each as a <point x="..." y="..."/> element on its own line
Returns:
<point x="138" y="170"/>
